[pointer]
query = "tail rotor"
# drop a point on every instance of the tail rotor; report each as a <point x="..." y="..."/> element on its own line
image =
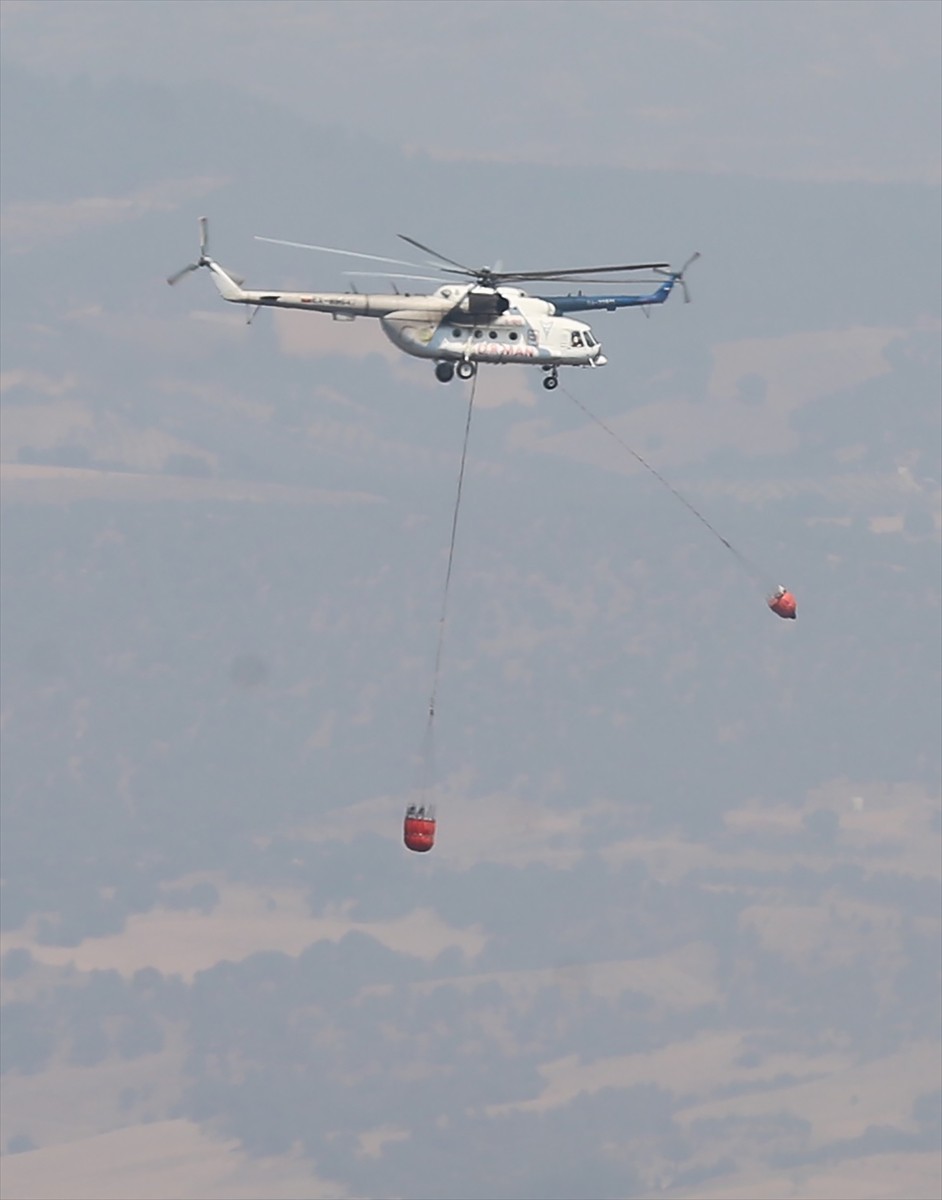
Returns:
<point x="203" y="260"/>
<point x="678" y="276"/>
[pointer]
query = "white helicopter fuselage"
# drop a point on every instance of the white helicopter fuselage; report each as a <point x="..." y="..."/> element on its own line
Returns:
<point x="527" y="332"/>
<point x="453" y="324"/>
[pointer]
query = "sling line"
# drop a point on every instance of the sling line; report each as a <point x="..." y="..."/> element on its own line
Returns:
<point x="427" y="756"/>
<point x="750" y="566"/>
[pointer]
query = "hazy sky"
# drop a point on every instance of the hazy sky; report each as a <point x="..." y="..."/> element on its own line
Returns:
<point x="844" y="90"/>
<point x="679" y="934"/>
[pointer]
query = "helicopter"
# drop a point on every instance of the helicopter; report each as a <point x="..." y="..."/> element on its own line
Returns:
<point x="477" y="315"/>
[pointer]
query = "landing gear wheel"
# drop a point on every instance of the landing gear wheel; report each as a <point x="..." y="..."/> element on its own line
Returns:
<point x="465" y="369"/>
<point x="551" y="382"/>
<point x="444" y="372"/>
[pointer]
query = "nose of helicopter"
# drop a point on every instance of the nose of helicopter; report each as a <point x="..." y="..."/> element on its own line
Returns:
<point x="596" y="357"/>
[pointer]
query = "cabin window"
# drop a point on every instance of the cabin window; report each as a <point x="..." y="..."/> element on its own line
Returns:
<point x="493" y="333"/>
<point x="512" y="335"/>
<point x="477" y="333"/>
<point x="456" y="333"/>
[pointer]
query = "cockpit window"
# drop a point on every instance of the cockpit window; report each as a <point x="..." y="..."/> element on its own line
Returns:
<point x="577" y="338"/>
<point x="589" y="339"/>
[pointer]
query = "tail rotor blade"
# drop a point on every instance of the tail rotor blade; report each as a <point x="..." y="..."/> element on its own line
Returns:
<point x="678" y="276"/>
<point x="693" y="258"/>
<point x="683" y="270"/>
<point x="184" y="271"/>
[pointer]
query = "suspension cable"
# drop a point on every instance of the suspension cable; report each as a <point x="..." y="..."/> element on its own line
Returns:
<point x="757" y="572"/>
<point x="428" y="751"/>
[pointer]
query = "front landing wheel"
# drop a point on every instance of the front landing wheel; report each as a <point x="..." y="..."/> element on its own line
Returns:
<point x="444" y="372"/>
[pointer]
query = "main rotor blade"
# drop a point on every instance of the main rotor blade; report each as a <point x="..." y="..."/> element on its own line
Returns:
<point x="500" y="277"/>
<point x="466" y="272"/>
<point x="395" y="275"/>
<point x="599" y="282"/>
<point x="680" y="274"/>
<point x="399" y="262"/>
<point x="441" y="257"/>
<point x="566" y="272"/>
